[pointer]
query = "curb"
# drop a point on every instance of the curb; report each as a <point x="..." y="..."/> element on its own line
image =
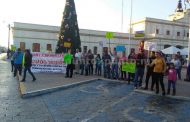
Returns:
<point x="25" y="94"/>
<point x="168" y="96"/>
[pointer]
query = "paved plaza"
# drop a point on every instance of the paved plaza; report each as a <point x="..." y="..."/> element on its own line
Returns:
<point x="94" y="100"/>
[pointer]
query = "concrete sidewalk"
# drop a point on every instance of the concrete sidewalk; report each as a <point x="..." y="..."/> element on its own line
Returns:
<point x="50" y="82"/>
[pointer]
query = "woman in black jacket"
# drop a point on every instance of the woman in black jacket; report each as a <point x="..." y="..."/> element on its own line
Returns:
<point x="27" y="65"/>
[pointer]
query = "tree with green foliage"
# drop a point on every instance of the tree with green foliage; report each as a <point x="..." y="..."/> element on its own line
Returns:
<point x="69" y="32"/>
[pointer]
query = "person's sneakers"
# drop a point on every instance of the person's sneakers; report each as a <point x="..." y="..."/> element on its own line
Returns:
<point x="34" y="79"/>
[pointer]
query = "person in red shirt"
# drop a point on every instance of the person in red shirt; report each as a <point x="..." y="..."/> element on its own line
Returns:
<point x="172" y="78"/>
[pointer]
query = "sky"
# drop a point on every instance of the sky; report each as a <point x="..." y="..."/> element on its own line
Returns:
<point x="103" y="15"/>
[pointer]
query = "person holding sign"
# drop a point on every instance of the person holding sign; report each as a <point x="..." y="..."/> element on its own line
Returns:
<point x="68" y="59"/>
<point x="131" y="59"/>
<point x="150" y="71"/>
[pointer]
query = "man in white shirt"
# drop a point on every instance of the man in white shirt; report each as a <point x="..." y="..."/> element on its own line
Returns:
<point x="77" y="61"/>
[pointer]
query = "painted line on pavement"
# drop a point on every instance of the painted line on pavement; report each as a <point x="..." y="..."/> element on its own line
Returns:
<point x="22" y="88"/>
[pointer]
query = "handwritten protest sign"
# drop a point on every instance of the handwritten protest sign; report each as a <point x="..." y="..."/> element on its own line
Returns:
<point x="45" y="62"/>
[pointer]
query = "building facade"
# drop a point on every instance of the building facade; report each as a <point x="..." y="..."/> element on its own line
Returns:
<point x="171" y="32"/>
<point x="43" y="38"/>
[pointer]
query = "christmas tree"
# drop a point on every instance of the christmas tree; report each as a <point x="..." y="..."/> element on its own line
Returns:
<point x="69" y="32"/>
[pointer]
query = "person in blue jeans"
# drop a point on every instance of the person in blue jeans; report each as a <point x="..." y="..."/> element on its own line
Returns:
<point x="108" y="69"/>
<point x="18" y="56"/>
<point x="140" y="66"/>
<point x="177" y="65"/>
<point x="28" y="65"/>
<point x="106" y="64"/>
<point x="114" y="70"/>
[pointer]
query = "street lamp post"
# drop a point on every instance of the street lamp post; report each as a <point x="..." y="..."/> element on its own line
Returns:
<point x="9" y="27"/>
<point x="8" y="50"/>
<point x="130" y="27"/>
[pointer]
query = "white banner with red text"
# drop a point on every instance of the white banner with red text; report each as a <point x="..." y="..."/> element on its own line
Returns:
<point x="45" y="62"/>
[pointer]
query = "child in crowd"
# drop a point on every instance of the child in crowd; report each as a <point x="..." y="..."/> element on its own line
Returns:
<point x="172" y="78"/>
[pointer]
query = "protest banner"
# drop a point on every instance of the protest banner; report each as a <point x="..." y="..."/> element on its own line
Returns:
<point x="45" y="62"/>
<point x="128" y="67"/>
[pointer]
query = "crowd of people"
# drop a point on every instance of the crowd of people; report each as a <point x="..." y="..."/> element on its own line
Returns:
<point x="110" y="66"/>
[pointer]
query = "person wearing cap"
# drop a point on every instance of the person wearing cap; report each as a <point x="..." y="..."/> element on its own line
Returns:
<point x="159" y="70"/>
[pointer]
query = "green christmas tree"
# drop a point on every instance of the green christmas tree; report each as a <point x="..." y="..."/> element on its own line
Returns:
<point x="69" y="32"/>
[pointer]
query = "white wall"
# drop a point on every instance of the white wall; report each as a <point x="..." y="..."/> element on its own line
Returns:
<point x="43" y="34"/>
